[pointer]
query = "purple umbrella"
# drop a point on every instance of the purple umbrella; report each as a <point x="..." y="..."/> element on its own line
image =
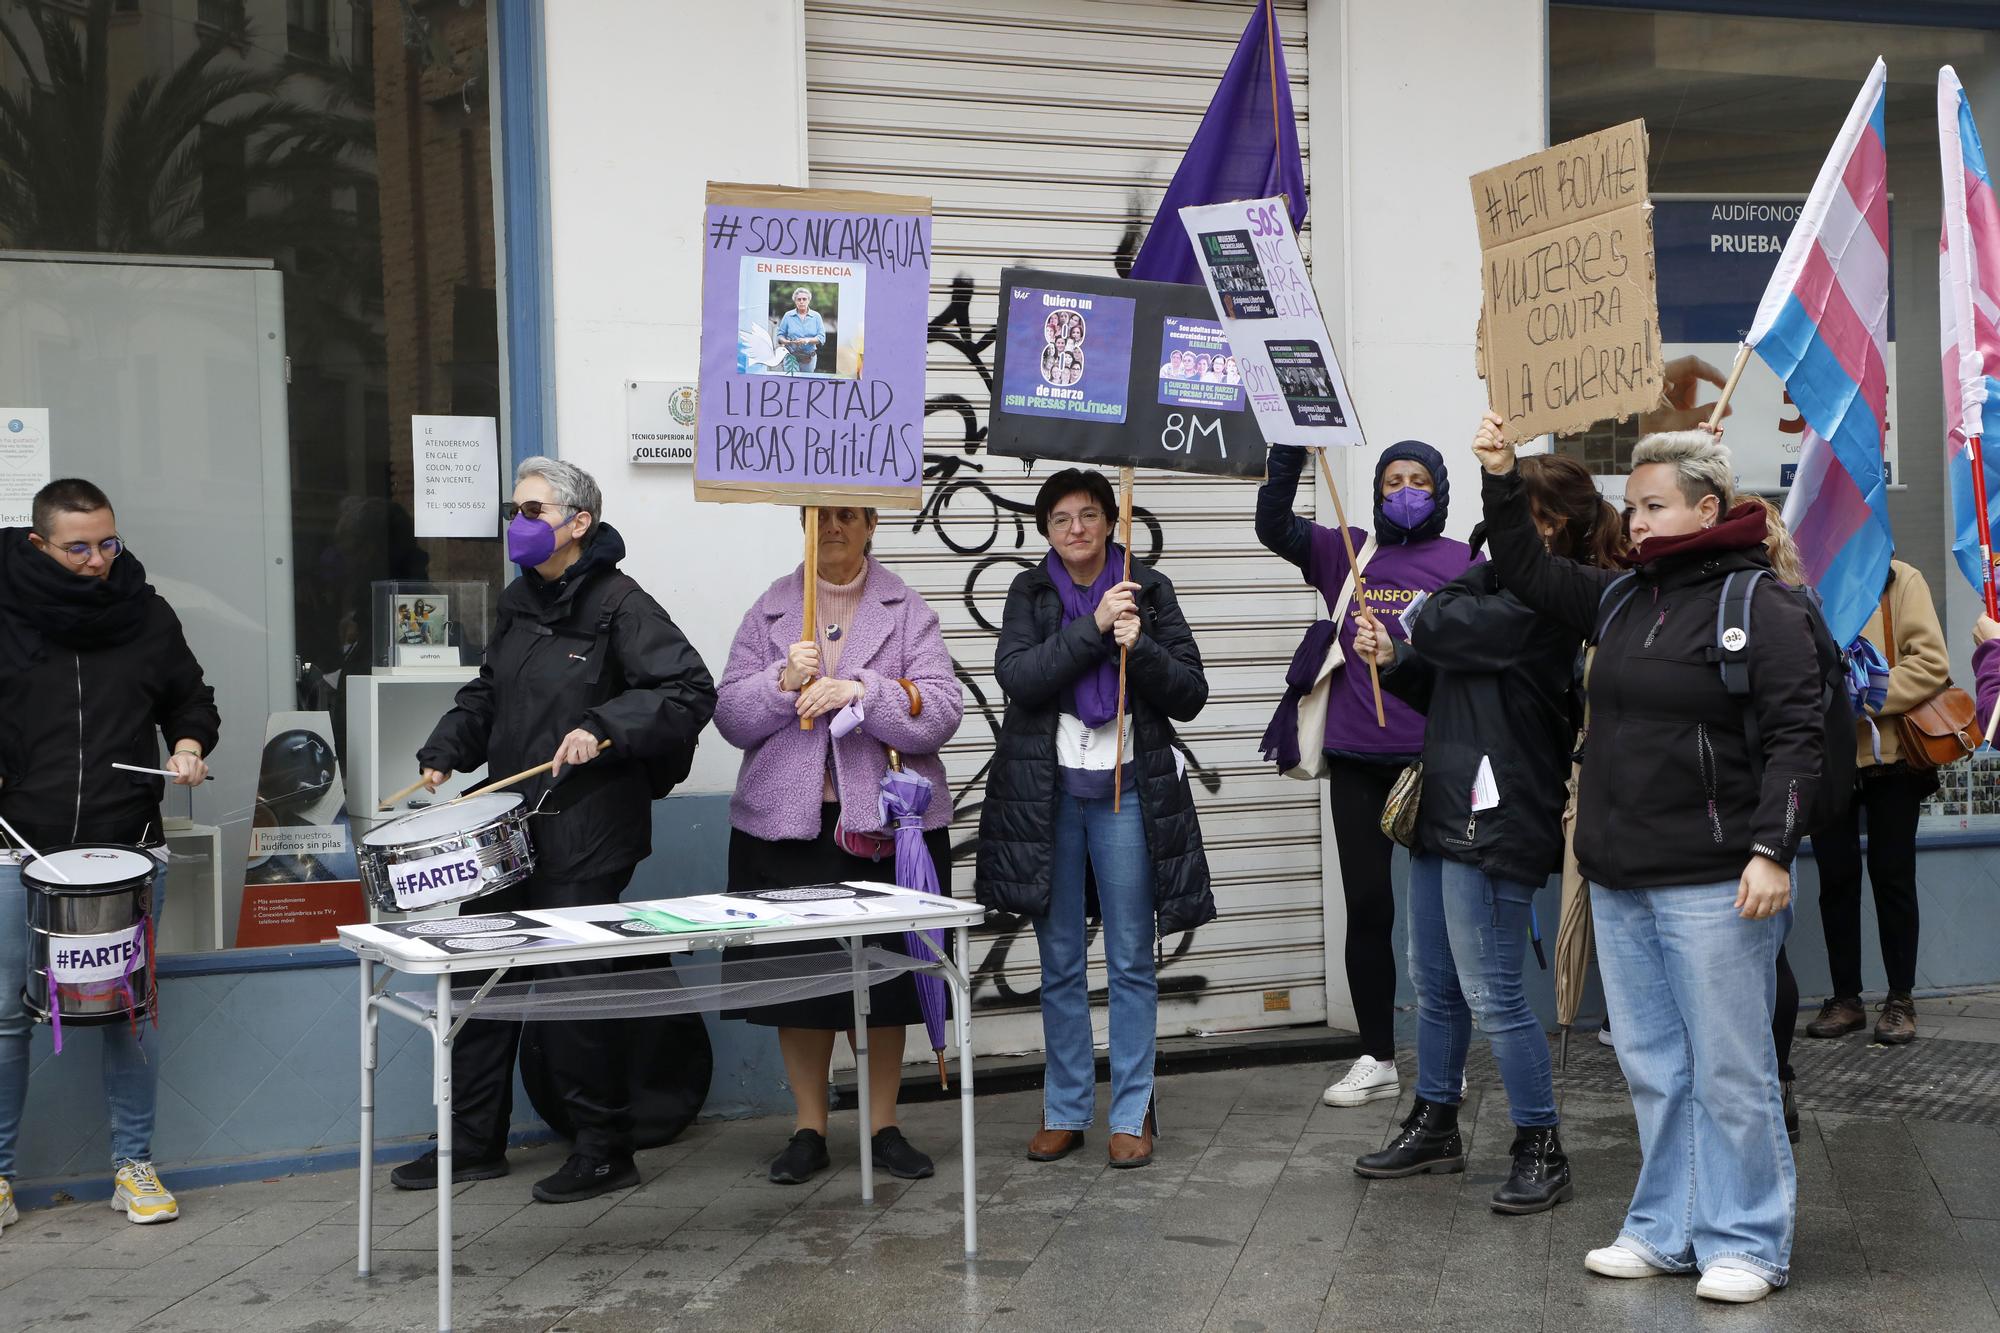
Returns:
<point x="905" y="798"/>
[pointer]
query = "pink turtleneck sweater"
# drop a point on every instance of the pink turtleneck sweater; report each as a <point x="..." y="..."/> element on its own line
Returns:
<point x="837" y="604"/>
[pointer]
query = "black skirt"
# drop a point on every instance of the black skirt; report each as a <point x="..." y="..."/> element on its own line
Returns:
<point x="760" y="863"/>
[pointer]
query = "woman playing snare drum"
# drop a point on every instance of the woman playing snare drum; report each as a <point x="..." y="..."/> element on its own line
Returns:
<point x="581" y="656"/>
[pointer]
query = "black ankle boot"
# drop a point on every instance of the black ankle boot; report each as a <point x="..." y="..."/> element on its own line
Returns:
<point x="1540" y="1179"/>
<point x="1429" y="1141"/>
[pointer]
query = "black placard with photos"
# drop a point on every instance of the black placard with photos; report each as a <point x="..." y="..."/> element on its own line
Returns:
<point x="1112" y="372"/>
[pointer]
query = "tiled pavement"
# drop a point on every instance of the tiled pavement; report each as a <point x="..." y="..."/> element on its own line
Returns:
<point x="1249" y="1220"/>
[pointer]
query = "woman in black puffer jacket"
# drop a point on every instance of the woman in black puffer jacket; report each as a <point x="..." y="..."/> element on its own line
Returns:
<point x="1493" y="680"/>
<point x="1048" y="835"/>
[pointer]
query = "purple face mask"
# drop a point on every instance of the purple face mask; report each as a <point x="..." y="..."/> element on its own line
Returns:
<point x="1408" y="508"/>
<point x="530" y="541"/>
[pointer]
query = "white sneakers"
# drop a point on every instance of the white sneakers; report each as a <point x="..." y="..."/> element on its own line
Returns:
<point x="1616" y="1261"/>
<point x="1738" y="1286"/>
<point x="1367" y="1080"/>
<point x="8" y="1215"/>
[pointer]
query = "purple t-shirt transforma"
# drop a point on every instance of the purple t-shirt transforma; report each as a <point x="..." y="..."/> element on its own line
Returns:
<point x="1394" y="576"/>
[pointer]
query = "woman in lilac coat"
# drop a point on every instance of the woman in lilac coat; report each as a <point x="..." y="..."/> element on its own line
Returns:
<point x="874" y="675"/>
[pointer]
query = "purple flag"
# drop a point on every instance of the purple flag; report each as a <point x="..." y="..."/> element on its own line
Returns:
<point x="1242" y="150"/>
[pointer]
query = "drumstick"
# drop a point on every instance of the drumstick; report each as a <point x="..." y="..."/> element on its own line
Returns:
<point x="163" y="772"/>
<point x="523" y="775"/>
<point x="388" y="801"/>
<point x="15" y="834"/>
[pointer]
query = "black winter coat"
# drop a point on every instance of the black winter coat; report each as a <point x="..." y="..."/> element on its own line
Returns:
<point x="1492" y="679"/>
<point x="77" y="710"/>
<point x="1037" y="659"/>
<point x="547" y="671"/>
<point x="1669" y="795"/>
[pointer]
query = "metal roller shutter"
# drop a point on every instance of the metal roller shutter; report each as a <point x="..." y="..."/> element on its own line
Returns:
<point x="1045" y="131"/>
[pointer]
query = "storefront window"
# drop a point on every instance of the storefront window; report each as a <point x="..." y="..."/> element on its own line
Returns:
<point x="230" y="302"/>
<point x="1741" y="112"/>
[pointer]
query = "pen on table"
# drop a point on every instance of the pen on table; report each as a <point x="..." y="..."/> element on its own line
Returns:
<point x="163" y="772"/>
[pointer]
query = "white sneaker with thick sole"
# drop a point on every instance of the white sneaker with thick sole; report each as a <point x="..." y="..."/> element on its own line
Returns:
<point x="1739" y="1286"/>
<point x="1617" y="1261"/>
<point x="8" y="1214"/>
<point x="1604" y="1037"/>
<point x="1367" y="1080"/>
<point x="141" y="1196"/>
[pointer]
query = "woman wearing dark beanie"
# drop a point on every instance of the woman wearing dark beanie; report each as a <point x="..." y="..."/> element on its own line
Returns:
<point x="1407" y="555"/>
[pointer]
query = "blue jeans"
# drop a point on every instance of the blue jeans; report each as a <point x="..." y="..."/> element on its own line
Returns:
<point x="1116" y="847"/>
<point x="1690" y="985"/>
<point x="1468" y="934"/>
<point x="130" y="1079"/>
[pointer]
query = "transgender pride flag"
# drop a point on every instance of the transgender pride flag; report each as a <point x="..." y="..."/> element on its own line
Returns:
<point x="1823" y="327"/>
<point x="1969" y="316"/>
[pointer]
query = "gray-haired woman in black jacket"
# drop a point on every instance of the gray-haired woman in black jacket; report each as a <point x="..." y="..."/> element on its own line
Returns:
<point x="1048" y="833"/>
<point x="1493" y="680"/>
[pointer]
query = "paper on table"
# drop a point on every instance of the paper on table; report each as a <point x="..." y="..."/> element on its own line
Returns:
<point x="713" y="910"/>
<point x="834" y="909"/>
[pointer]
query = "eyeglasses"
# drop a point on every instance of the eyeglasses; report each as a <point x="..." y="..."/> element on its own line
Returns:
<point x="1085" y="518"/>
<point x="110" y="548"/>
<point x="532" y="508"/>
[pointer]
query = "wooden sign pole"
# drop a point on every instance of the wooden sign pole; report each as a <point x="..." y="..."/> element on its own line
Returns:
<point x="1124" y="540"/>
<point x="1347" y="540"/>
<point x="1729" y="386"/>
<point x="811" y="621"/>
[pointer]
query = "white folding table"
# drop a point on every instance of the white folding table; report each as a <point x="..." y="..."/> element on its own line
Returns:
<point x="384" y="952"/>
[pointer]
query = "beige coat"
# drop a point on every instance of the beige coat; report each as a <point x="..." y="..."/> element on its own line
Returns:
<point x="1923" y="667"/>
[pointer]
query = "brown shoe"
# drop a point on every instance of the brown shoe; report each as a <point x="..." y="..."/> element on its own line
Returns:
<point x="1130" y="1150"/>
<point x="1052" y="1145"/>
<point x="1838" y="1017"/>
<point x="1898" y="1024"/>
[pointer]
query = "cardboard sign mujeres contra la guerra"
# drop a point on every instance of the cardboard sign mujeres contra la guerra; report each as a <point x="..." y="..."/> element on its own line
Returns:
<point x="1569" y="330"/>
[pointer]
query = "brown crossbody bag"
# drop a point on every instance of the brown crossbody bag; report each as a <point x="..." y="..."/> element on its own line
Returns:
<point x="1941" y="730"/>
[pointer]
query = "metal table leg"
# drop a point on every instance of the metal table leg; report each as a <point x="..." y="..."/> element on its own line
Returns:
<point x="441" y="1058"/>
<point x="960" y="972"/>
<point x="365" y="1209"/>
<point x="855" y="945"/>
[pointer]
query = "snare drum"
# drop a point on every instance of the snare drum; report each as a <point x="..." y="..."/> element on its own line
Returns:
<point x="89" y="929"/>
<point x="447" y="854"/>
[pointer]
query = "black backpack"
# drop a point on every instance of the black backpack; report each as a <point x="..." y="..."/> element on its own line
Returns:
<point x="1731" y="654"/>
<point x="662" y="774"/>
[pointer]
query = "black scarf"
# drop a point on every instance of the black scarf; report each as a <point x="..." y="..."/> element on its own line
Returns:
<point x="42" y="602"/>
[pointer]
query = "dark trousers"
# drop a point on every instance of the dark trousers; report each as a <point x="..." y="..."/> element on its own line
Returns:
<point x="1355" y="793"/>
<point x="1888" y="796"/>
<point x="586" y="1060"/>
<point x="1785" y="1016"/>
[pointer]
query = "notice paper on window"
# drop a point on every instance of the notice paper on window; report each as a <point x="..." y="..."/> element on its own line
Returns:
<point x="456" y="476"/>
<point x="24" y="462"/>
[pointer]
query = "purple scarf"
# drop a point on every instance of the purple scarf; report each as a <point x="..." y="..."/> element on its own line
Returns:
<point x="1096" y="691"/>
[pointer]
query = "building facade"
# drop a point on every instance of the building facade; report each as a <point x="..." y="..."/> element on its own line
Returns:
<point x="496" y="213"/>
